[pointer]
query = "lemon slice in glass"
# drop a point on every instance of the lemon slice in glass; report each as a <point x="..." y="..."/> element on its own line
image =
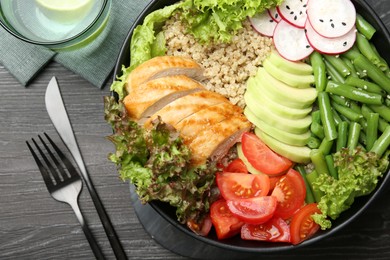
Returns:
<point x="65" y="11"/>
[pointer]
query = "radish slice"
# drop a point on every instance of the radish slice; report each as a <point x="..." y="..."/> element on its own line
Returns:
<point x="273" y="12"/>
<point x="331" y="18"/>
<point x="291" y="42"/>
<point x="263" y="23"/>
<point x="294" y="12"/>
<point x="330" y="45"/>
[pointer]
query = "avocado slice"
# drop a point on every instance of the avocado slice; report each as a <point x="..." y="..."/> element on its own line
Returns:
<point x="293" y="80"/>
<point x="280" y="109"/>
<point x="248" y="165"/>
<point x="299" y="68"/>
<point x="294" y="126"/>
<point x="281" y="92"/>
<point x="299" y="154"/>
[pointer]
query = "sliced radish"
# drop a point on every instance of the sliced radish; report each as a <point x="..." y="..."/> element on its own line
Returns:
<point x="273" y="12"/>
<point x="331" y="18"/>
<point x="291" y="42"/>
<point x="294" y="12"/>
<point x="330" y="45"/>
<point x="263" y="23"/>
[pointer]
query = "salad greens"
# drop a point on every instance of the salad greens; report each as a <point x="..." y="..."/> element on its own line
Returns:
<point x="208" y="20"/>
<point x="157" y="162"/>
<point x="358" y="174"/>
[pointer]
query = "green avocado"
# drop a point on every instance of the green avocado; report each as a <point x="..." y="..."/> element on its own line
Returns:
<point x="254" y="94"/>
<point x="293" y="80"/>
<point x="282" y="93"/>
<point x="299" y="154"/>
<point x="277" y="133"/>
<point x="299" y="68"/>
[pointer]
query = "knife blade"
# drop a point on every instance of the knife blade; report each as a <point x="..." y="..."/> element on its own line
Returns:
<point x="57" y="112"/>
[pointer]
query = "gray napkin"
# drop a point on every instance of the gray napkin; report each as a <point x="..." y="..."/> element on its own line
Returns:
<point x="93" y="62"/>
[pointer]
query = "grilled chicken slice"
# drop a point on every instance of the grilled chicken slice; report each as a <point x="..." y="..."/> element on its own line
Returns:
<point x="182" y="107"/>
<point x="215" y="141"/>
<point x="149" y="97"/>
<point x="163" y="66"/>
<point x="205" y="118"/>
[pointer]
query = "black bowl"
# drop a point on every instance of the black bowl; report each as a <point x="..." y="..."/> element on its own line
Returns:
<point x="162" y="216"/>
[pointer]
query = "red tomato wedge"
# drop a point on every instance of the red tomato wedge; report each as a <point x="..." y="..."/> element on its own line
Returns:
<point x="234" y="186"/>
<point x="256" y="210"/>
<point x="272" y="182"/>
<point x="237" y="165"/>
<point x="290" y="192"/>
<point x="225" y="223"/>
<point x="302" y="224"/>
<point x="274" y="230"/>
<point x="261" y="157"/>
<point x="201" y="229"/>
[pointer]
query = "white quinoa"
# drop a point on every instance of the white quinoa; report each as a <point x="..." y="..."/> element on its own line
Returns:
<point x="227" y="66"/>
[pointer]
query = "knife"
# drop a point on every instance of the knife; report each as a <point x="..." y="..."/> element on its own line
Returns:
<point x="59" y="117"/>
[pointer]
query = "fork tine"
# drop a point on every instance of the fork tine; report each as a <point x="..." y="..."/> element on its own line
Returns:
<point x="54" y="159"/>
<point x="71" y="169"/>
<point x="48" y="164"/>
<point x="42" y="169"/>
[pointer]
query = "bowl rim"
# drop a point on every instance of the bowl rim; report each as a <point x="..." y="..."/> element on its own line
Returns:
<point x="366" y="201"/>
<point x="59" y="43"/>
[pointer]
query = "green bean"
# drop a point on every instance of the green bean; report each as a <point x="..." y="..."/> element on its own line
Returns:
<point x="372" y="129"/>
<point x="331" y="168"/>
<point x="309" y="194"/>
<point x="346" y="112"/>
<point x="327" y="116"/>
<point x="326" y="146"/>
<point x="355" y="107"/>
<point x="350" y="66"/>
<point x="362" y="140"/>
<point x="317" y="130"/>
<point x="373" y="72"/>
<point x="340" y="100"/>
<point x="316" y="116"/>
<point x="353" y="135"/>
<point x="319" y="70"/>
<point x="383" y="111"/>
<point x="365" y="49"/>
<point x="311" y="178"/>
<point x="353" y="93"/>
<point x="333" y="73"/>
<point x="338" y="64"/>
<point x="382" y="143"/>
<point x="313" y="142"/>
<point x="364" y="27"/>
<point x="365" y="85"/>
<point x="336" y="117"/>
<point x="387" y="101"/>
<point x="318" y="159"/>
<point x="352" y="53"/>
<point x="382" y="65"/>
<point x="382" y="124"/>
<point x="343" y="135"/>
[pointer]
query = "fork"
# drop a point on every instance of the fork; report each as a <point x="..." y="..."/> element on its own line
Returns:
<point x="63" y="183"/>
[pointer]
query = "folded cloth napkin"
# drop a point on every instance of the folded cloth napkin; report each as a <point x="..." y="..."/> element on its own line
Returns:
<point x="94" y="62"/>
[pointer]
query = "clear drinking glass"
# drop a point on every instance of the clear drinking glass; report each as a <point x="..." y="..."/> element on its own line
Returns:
<point x="56" y="24"/>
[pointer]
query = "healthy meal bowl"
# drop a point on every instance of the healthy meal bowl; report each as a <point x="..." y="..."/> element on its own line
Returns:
<point x="309" y="112"/>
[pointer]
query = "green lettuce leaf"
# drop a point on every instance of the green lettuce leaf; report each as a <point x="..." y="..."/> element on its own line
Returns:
<point x="157" y="162"/>
<point x="358" y="175"/>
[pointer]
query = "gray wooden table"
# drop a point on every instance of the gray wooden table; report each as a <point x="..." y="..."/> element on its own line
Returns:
<point x="34" y="226"/>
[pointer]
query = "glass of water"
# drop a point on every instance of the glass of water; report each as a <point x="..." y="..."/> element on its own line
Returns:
<point x="56" y="24"/>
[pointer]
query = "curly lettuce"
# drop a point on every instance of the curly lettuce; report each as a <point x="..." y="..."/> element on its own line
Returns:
<point x="358" y="175"/>
<point x="157" y="162"/>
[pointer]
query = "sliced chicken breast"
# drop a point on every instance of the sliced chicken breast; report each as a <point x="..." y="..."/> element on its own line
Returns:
<point x="149" y="97"/>
<point x="215" y="141"/>
<point x="163" y="66"/>
<point x="182" y="107"/>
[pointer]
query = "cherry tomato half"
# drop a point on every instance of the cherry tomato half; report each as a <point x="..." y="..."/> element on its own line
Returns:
<point x="261" y="157"/>
<point x="202" y="228"/>
<point x="302" y="224"/>
<point x="235" y="186"/>
<point x="257" y="210"/>
<point x="225" y="223"/>
<point x="274" y="230"/>
<point x="237" y="165"/>
<point x="290" y="192"/>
